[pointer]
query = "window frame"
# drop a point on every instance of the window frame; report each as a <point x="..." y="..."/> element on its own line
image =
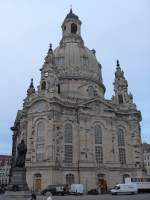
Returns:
<point x="40" y="141"/>
<point x="68" y="143"/>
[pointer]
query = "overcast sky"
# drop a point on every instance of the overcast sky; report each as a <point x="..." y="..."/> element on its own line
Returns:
<point x="116" y="29"/>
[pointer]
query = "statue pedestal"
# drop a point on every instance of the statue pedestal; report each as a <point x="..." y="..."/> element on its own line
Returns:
<point x="18" y="180"/>
<point x="18" y="188"/>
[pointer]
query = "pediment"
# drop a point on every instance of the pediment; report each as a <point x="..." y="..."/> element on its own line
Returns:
<point x="39" y="106"/>
<point x="98" y="105"/>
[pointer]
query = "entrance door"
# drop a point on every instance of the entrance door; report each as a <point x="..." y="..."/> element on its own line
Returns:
<point x="102" y="183"/>
<point x="125" y="176"/>
<point x="37" y="183"/>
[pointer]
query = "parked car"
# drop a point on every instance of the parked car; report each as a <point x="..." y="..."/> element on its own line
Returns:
<point x="2" y="189"/>
<point x="55" y="190"/>
<point x="76" y="189"/>
<point x="93" y="192"/>
<point x="124" y="188"/>
<point x="15" y="188"/>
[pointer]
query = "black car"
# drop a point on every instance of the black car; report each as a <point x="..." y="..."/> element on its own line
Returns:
<point x="55" y="190"/>
<point x="2" y="190"/>
<point x="93" y="191"/>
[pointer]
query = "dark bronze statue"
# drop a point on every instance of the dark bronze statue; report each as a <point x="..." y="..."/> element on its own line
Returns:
<point x="21" y="154"/>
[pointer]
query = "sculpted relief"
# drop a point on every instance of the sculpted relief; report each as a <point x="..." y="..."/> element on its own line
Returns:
<point x="52" y="82"/>
<point x="39" y="106"/>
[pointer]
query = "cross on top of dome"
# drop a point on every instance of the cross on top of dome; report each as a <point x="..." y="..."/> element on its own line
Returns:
<point x="71" y="15"/>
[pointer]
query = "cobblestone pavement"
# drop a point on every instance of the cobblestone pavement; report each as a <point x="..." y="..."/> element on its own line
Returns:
<point x="101" y="197"/>
<point x="97" y="197"/>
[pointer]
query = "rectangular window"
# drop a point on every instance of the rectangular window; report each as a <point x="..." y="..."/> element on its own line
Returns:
<point x="99" y="154"/>
<point x="59" y="61"/>
<point x="39" y="152"/>
<point x="40" y="139"/>
<point x="84" y="61"/>
<point x="39" y="156"/>
<point x="98" y="135"/>
<point x="56" y="61"/>
<point x="121" y="140"/>
<point x="68" y="154"/>
<point x="122" y="156"/>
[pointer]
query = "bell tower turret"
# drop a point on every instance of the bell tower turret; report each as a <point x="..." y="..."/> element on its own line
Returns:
<point x="49" y="79"/>
<point x="71" y="29"/>
<point x="71" y="24"/>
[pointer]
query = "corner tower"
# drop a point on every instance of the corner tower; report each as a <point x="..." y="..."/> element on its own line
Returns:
<point x="122" y="97"/>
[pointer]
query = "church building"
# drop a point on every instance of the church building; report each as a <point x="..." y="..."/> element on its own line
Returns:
<point x="72" y="132"/>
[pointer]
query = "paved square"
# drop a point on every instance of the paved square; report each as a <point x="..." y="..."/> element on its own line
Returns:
<point x="95" y="197"/>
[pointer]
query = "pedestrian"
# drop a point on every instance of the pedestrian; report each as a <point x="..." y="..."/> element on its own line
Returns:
<point x="49" y="196"/>
<point x="33" y="196"/>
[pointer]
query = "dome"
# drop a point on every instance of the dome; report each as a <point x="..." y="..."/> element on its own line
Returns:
<point x="74" y="61"/>
<point x="77" y="61"/>
<point x="72" y="58"/>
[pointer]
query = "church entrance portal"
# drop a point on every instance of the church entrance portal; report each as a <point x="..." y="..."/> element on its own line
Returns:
<point x="37" y="183"/>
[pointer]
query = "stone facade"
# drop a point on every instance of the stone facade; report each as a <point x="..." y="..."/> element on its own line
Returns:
<point x="5" y="165"/>
<point x="73" y="133"/>
<point x="146" y="157"/>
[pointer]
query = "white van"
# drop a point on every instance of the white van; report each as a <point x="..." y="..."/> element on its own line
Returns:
<point x="143" y="184"/>
<point x="76" y="189"/>
<point x="125" y="188"/>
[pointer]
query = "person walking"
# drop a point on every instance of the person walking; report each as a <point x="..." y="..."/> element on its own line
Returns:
<point x="33" y="196"/>
<point x="49" y="196"/>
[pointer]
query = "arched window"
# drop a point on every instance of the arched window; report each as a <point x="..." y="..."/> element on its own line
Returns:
<point x="40" y="141"/>
<point x="69" y="179"/>
<point x="98" y="144"/>
<point x="120" y="98"/>
<point x="91" y="91"/>
<point x="68" y="155"/>
<point x="73" y="28"/>
<point x="98" y="135"/>
<point x="120" y="134"/>
<point x="43" y="86"/>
